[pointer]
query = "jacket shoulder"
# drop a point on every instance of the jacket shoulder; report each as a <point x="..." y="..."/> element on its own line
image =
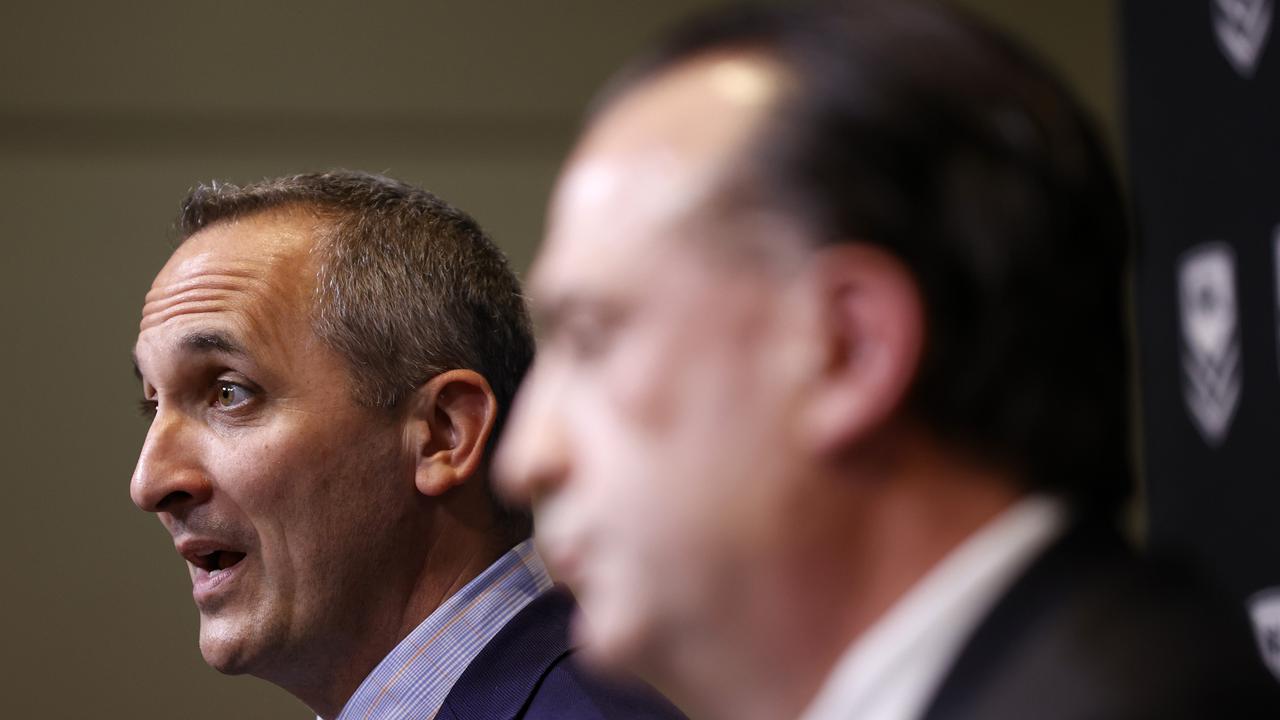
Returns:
<point x="527" y="671"/>
<point x="571" y="691"/>
<point x="1091" y="631"/>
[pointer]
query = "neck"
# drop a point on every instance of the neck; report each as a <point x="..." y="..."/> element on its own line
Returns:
<point x="807" y="603"/>
<point x="452" y="554"/>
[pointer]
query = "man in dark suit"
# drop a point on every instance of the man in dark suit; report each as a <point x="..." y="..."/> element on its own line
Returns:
<point x="830" y="418"/>
<point x="325" y="358"/>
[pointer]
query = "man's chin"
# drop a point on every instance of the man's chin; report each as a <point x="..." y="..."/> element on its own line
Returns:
<point x="607" y="642"/>
<point x="224" y="648"/>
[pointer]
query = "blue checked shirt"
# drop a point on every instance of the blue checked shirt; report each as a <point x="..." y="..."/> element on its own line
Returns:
<point x="414" y="679"/>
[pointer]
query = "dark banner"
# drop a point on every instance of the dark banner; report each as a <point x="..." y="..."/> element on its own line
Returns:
<point x="1203" y="96"/>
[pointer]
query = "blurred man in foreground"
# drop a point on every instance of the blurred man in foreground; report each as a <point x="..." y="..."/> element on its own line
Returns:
<point x="326" y="358"/>
<point x="830" y="414"/>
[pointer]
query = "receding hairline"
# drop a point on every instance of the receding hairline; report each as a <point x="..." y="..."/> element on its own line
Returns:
<point x="310" y="215"/>
<point x="299" y="262"/>
<point x="746" y="80"/>
<point x="755" y="86"/>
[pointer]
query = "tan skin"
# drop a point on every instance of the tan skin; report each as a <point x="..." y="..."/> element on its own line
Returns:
<point x="714" y="440"/>
<point x="342" y="526"/>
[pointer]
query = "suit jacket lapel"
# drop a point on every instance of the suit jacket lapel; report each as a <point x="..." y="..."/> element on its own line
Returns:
<point x="499" y="682"/>
<point x="1042" y="598"/>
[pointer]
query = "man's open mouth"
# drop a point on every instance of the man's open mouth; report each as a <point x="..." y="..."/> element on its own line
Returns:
<point x="213" y="568"/>
<point x="216" y="561"/>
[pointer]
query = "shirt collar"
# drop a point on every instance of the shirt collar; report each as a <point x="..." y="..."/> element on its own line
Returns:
<point x="413" y="680"/>
<point x="893" y="668"/>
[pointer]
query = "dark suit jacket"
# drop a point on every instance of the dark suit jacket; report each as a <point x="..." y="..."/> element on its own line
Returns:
<point x="1092" y="632"/>
<point x="527" y="672"/>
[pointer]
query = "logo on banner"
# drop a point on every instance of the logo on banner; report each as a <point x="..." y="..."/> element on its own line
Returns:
<point x="1241" y="27"/>
<point x="1264" y="609"/>
<point x="1211" y="373"/>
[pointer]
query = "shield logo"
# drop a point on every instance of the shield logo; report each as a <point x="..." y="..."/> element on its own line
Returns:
<point x="1211" y="376"/>
<point x="1241" y="27"/>
<point x="1264" y="610"/>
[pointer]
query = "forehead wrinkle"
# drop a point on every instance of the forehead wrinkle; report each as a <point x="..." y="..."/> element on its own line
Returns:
<point x="250" y="303"/>
<point x="226" y="279"/>
<point x="190" y="302"/>
<point x="205" y="278"/>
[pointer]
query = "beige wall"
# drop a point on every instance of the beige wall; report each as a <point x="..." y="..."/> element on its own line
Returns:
<point x="108" y="112"/>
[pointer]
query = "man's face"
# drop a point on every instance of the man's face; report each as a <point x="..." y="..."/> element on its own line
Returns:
<point x="654" y="433"/>
<point x="282" y="493"/>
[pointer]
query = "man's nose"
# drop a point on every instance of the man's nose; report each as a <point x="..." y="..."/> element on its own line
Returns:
<point x="533" y="454"/>
<point x="166" y="478"/>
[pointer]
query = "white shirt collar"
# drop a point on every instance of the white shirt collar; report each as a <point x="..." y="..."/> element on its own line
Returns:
<point x="893" y="669"/>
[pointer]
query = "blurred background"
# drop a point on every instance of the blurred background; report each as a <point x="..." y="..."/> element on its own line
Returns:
<point x="109" y="112"/>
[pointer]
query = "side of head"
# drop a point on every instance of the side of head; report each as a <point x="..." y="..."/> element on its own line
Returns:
<point x="325" y="358"/>
<point x="913" y="128"/>
<point x="785" y="235"/>
<point x="407" y="287"/>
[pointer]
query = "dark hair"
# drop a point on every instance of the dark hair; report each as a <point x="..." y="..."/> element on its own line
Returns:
<point x="913" y="127"/>
<point x="407" y="285"/>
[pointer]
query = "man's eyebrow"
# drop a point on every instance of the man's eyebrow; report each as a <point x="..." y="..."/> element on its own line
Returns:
<point x="203" y="341"/>
<point x="553" y="314"/>
<point x="549" y="314"/>
<point x="206" y="341"/>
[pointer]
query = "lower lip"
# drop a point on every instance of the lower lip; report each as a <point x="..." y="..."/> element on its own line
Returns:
<point x="206" y="587"/>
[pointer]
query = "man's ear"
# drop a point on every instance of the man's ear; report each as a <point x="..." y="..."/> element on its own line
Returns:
<point x="450" y="420"/>
<point x="873" y="332"/>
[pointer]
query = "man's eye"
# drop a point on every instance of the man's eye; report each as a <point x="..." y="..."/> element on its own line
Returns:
<point x="586" y="344"/>
<point x="231" y="395"/>
<point x="587" y="339"/>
